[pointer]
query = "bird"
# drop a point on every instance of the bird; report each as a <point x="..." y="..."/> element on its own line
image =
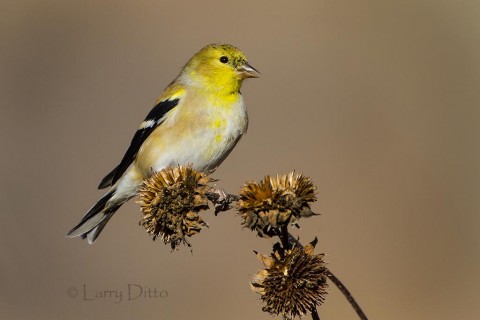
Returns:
<point x="197" y="120"/>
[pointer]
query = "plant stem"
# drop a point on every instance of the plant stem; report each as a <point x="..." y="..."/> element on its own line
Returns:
<point x="285" y="237"/>
<point x="347" y="295"/>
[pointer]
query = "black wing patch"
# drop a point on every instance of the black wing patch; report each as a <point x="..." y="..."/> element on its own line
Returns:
<point x="153" y="119"/>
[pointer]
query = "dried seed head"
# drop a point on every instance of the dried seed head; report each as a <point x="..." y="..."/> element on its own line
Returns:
<point x="276" y="202"/>
<point x="293" y="282"/>
<point x="171" y="201"/>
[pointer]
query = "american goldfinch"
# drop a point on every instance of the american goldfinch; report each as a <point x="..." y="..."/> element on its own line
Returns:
<point x="197" y="120"/>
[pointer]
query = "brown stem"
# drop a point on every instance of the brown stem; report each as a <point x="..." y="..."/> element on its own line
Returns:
<point x="347" y="295"/>
<point x="285" y="237"/>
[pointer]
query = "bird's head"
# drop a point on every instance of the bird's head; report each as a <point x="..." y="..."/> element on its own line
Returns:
<point x="219" y="67"/>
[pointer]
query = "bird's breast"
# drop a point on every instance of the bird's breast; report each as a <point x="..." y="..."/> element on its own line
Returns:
<point x="201" y="131"/>
<point x="227" y="124"/>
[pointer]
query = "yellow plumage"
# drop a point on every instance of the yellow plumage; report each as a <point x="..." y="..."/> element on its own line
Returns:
<point x="197" y="120"/>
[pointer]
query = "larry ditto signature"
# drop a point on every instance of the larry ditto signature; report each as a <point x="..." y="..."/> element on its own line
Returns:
<point x="131" y="292"/>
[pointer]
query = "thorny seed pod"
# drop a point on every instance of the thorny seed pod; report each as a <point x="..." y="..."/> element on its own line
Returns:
<point x="293" y="282"/>
<point x="275" y="202"/>
<point x="171" y="201"/>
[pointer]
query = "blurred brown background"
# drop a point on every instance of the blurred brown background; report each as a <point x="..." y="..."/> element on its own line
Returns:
<point x="377" y="101"/>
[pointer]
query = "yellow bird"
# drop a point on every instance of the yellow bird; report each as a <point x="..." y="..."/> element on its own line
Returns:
<point x="197" y="120"/>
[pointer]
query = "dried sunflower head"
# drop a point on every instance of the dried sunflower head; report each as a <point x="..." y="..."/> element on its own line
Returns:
<point x="293" y="282"/>
<point x="275" y="202"/>
<point x="171" y="201"/>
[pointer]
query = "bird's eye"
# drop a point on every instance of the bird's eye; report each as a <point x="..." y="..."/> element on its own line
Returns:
<point x="223" y="59"/>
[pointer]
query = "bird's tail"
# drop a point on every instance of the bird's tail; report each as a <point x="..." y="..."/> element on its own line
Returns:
<point x="96" y="218"/>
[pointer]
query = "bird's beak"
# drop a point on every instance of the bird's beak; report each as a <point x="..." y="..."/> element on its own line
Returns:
<point x="247" y="71"/>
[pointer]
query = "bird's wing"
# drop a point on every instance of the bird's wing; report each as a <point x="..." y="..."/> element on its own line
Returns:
<point x="154" y="118"/>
